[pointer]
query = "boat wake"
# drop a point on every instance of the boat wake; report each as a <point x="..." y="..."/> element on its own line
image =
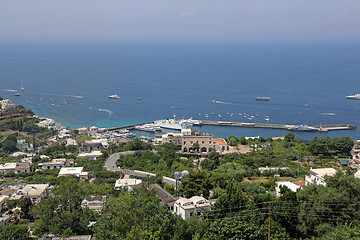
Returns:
<point x="329" y="114"/>
<point x="221" y="102"/>
<point x="9" y="90"/>
<point x="106" y="110"/>
<point x="74" y="96"/>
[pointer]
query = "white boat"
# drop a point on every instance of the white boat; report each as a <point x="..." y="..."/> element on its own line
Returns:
<point x="22" y="85"/>
<point x="115" y="96"/>
<point x="191" y="121"/>
<point x="145" y="128"/>
<point x="263" y="98"/>
<point x="17" y="94"/>
<point x="354" y="97"/>
<point x="267" y="119"/>
<point x="301" y="128"/>
<point x="173" y="124"/>
<point x="219" y="116"/>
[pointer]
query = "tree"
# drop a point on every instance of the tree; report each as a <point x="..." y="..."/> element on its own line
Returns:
<point x="25" y="205"/>
<point x="63" y="212"/>
<point x="289" y="137"/>
<point x="196" y="146"/>
<point x="196" y="183"/>
<point x="14" y="232"/>
<point x="138" y="215"/>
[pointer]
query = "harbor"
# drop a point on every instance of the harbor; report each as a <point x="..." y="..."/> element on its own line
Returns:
<point x="290" y="127"/>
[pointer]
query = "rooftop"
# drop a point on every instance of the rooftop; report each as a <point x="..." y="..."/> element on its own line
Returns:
<point x="127" y="182"/>
<point x="323" y="171"/>
<point x="34" y="189"/>
<point x="71" y="171"/>
<point x="219" y="141"/>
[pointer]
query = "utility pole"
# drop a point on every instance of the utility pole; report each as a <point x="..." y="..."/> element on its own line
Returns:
<point x="269" y="220"/>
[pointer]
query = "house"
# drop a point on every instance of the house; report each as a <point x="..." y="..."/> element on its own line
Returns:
<point x="22" y="145"/>
<point x="4" y="220"/>
<point x="317" y="176"/>
<point x="127" y="183"/>
<point x="93" y="202"/>
<point x="7" y="107"/>
<point x="14" y="167"/>
<point x="205" y="141"/>
<point x="35" y="192"/>
<point x="169" y="138"/>
<point x="91" y="155"/>
<point x="93" y="145"/>
<point x="221" y="145"/>
<point x="3" y="200"/>
<point x="357" y="174"/>
<point x="164" y="196"/>
<point x="74" y="171"/>
<point x="56" y="163"/>
<point x="185" y="207"/>
<point x="71" y="142"/>
<point x="292" y="186"/>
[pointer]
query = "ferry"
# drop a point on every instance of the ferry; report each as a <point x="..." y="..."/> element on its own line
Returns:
<point x="263" y="98"/>
<point x="354" y="97"/>
<point x="115" y="96"/>
<point x="173" y="124"/>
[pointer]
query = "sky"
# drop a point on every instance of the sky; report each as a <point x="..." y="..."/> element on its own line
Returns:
<point x="180" y="20"/>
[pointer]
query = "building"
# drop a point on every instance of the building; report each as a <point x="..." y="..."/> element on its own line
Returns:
<point x="292" y="186"/>
<point x="205" y="141"/>
<point x="164" y="196"/>
<point x="56" y="164"/>
<point x="22" y="145"/>
<point x="35" y="192"/>
<point x="91" y="155"/>
<point x="7" y="107"/>
<point x="127" y="183"/>
<point x="93" y="202"/>
<point x="74" y="171"/>
<point x="185" y="207"/>
<point x="169" y="138"/>
<point x="357" y="174"/>
<point x="14" y="167"/>
<point x="317" y="176"/>
<point x="93" y="145"/>
<point x="3" y="200"/>
<point x="272" y="169"/>
<point x="221" y="145"/>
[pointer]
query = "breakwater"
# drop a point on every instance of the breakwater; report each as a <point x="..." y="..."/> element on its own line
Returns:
<point x="290" y="127"/>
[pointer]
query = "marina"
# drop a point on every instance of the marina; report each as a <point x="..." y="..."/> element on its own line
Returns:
<point x="319" y="128"/>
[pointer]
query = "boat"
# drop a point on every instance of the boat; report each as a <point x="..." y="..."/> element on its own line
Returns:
<point x="219" y="116"/>
<point x="17" y="94"/>
<point x="22" y="85"/>
<point x="354" y="97"/>
<point x="115" y="96"/>
<point x="138" y="98"/>
<point x="194" y="122"/>
<point x="301" y="128"/>
<point x="173" y="124"/>
<point x="262" y="98"/>
<point x="267" y="119"/>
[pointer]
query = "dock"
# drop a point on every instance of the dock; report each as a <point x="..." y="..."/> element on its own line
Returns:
<point x="319" y="128"/>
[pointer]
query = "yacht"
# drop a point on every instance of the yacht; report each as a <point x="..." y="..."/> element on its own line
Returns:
<point x="173" y="124"/>
<point x="219" y="116"/>
<point x="17" y="94"/>
<point x="115" y="96"/>
<point x="22" y="85"/>
<point x="301" y="128"/>
<point x="194" y="122"/>
<point x="355" y="97"/>
<point x="262" y="98"/>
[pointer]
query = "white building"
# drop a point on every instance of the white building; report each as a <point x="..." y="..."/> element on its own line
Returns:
<point x="357" y="174"/>
<point x="14" y="167"/>
<point x="292" y="186"/>
<point x="127" y="183"/>
<point x="316" y="176"/>
<point x="91" y="155"/>
<point x="185" y="207"/>
<point x="56" y="163"/>
<point x="35" y="192"/>
<point x="74" y="171"/>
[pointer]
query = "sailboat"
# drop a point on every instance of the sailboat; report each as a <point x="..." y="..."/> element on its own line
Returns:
<point x="22" y="85"/>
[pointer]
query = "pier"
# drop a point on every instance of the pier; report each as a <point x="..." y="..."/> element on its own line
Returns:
<point x="320" y="128"/>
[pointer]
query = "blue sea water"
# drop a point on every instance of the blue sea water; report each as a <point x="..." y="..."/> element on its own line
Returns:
<point x="183" y="79"/>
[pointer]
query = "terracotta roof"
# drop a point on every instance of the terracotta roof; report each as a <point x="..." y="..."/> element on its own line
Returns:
<point x="219" y="141"/>
<point x="301" y="184"/>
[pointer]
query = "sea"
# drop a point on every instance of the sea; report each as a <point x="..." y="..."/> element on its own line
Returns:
<point x="307" y="84"/>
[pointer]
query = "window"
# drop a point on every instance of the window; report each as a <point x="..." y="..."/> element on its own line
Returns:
<point x="191" y="142"/>
<point x="184" y="142"/>
<point x="209" y="142"/>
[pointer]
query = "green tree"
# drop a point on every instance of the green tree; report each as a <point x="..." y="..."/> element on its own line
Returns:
<point x="14" y="232"/>
<point x="25" y="205"/>
<point x="196" y="183"/>
<point x="289" y="137"/>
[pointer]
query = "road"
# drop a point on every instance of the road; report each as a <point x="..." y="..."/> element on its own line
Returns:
<point x="110" y="163"/>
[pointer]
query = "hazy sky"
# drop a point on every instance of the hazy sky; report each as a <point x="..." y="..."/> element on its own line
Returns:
<point x="180" y="20"/>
